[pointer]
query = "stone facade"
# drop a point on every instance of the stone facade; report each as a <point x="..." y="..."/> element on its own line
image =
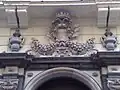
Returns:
<point x="57" y="53"/>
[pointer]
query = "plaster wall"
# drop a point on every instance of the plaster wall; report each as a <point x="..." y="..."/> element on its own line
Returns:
<point x="39" y="28"/>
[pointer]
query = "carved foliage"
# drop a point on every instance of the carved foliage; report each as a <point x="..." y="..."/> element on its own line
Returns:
<point x="62" y="48"/>
<point x="62" y="34"/>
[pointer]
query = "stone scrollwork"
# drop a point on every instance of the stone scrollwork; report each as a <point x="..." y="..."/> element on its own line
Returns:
<point x="8" y="84"/>
<point x="62" y="33"/>
<point x="113" y="83"/>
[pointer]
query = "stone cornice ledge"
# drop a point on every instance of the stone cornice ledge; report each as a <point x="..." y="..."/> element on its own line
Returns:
<point x="9" y="3"/>
<point x="25" y="60"/>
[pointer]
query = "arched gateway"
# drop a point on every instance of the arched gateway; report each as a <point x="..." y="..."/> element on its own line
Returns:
<point x="62" y="78"/>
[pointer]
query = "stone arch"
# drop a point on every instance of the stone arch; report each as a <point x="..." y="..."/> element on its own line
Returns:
<point x="62" y="72"/>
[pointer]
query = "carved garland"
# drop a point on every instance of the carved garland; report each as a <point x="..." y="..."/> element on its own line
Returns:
<point x="62" y="33"/>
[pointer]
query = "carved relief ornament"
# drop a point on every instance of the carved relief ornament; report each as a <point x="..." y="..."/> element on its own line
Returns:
<point x="8" y="84"/>
<point x="113" y="83"/>
<point x="62" y="33"/>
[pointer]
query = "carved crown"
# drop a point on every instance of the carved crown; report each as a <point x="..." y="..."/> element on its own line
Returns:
<point x="62" y="14"/>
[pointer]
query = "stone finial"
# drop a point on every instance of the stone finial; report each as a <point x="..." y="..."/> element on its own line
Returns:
<point x="16" y="41"/>
<point x="109" y="41"/>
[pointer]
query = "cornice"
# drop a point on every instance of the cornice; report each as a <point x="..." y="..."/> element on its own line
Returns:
<point x="95" y="61"/>
<point x="32" y="3"/>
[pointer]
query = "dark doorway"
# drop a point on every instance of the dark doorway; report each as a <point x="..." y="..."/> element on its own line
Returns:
<point x="63" y="83"/>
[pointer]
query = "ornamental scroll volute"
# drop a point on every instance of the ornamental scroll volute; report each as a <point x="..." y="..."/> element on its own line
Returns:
<point x="8" y="84"/>
<point x="62" y="33"/>
<point x="113" y="83"/>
